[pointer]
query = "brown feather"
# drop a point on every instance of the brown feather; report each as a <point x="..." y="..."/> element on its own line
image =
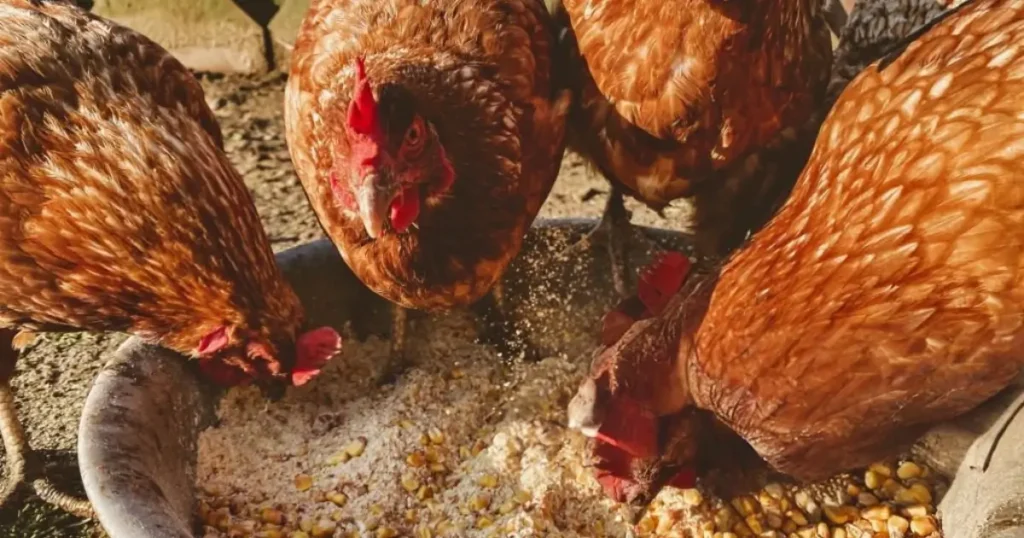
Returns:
<point x="479" y="72"/>
<point x="118" y="207"/>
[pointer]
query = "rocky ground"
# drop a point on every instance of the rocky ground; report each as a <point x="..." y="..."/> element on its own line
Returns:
<point x="54" y="376"/>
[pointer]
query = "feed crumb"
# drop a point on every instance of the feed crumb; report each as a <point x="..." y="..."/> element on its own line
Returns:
<point x="463" y="444"/>
<point x="467" y="445"/>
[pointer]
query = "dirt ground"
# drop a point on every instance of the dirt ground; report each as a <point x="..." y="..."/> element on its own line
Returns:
<point x="54" y="376"/>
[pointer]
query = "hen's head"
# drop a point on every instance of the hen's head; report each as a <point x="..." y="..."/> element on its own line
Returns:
<point x="232" y="356"/>
<point x="396" y="161"/>
<point x="636" y="403"/>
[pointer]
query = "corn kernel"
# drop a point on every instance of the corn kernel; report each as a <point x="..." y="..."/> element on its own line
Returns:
<point x="908" y="471"/>
<point x="741" y="529"/>
<point x="873" y="480"/>
<point x="337" y="515"/>
<point x="776" y="490"/>
<point x="305" y="524"/>
<point x="692" y="497"/>
<point x="647" y="525"/>
<point x="337" y="498"/>
<point x="272" y="516"/>
<point x="480" y="502"/>
<point x="435" y="435"/>
<point x="923" y="526"/>
<point x="356" y="447"/>
<point x="881" y="513"/>
<point x="789" y="526"/>
<point x="729" y="535"/>
<point x="483" y="522"/>
<point x="809" y="532"/>
<point x="867" y="499"/>
<point x="303" y="482"/>
<point x="438" y="468"/>
<point x="882" y="469"/>
<point x="823" y="530"/>
<point x="465" y="452"/>
<point x="891" y="488"/>
<point x="386" y="532"/>
<point x="506" y="507"/>
<point x="269" y="533"/>
<point x="324" y="529"/>
<point x="745" y="505"/>
<point x="416" y="459"/>
<point x="839" y="532"/>
<point x="774" y="521"/>
<point x="723" y="519"/>
<point x="458" y="373"/>
<point x="522" y="496"/>
<point x="897" y="526"/>
<point x="423" y="531"/>
<point x="755" y="524"/>
<point x="841" y="514"/>
<point x="337" y="459"/>
<point x="298" y="534"/>
<point x="797" y="517"/>
<point x="410" y="483"/>
<point x="424" y="493"/>
<point x="488" y="481"/>
<point x="916" y="510"/>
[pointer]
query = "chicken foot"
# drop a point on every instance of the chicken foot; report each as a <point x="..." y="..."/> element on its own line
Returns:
<point x="613" y="230"/>
<point x="18" y="467"/>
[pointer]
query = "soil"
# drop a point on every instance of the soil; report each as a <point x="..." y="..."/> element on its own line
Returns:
<point x="54" y="375"/>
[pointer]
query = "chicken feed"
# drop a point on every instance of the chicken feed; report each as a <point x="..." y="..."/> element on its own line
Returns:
<point x="465" y="444"/>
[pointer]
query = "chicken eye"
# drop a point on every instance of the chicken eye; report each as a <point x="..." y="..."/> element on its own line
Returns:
<point x="414" y="138"/>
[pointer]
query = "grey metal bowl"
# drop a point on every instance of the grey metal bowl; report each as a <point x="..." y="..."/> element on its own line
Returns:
<point x="143" y="415"/>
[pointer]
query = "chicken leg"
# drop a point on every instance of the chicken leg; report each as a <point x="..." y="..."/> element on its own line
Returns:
<point x="613" y="230"/>
<point x="19" y="467"/>
<point x="397" y="358"/>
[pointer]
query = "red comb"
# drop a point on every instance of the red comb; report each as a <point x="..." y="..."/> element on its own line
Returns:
<point x="362" y="111"/>
<point x="661" y="280"/>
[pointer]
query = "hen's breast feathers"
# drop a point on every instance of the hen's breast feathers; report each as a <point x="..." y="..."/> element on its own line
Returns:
<point x="895" y="271"/>
<point x="699" y="98"/>
<point x="118" y="206"/>
<point x="481" y="74"/>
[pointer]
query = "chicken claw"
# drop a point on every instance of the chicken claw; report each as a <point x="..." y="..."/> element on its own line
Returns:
<point x="614" y="231"/>
<point x="16" y="445"/>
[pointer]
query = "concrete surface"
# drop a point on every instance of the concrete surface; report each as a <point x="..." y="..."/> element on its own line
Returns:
<point x="206" y="35"/>
<point x="284" y="27"/>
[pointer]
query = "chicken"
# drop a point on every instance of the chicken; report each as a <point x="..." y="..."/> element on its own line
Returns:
<point x="119" y="211"/>
<point x="680" y="98"/>
<point x="874" y="27"/>
<point x="427" y="136"/>
<point x="885" y="296"/>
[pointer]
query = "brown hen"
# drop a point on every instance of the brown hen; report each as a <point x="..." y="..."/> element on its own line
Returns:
<point x="888" y="292"/>
<point x="678" y="99"/>
<point x="427" y="136"/>
<point x="119" y="211"/>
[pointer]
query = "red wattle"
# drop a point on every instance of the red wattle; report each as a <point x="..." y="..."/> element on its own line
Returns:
<point x="404" y="209"/>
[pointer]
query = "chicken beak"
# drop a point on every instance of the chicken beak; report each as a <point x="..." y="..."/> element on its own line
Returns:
<point x="374" y="199"/>
<point x="585" y="411"/>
